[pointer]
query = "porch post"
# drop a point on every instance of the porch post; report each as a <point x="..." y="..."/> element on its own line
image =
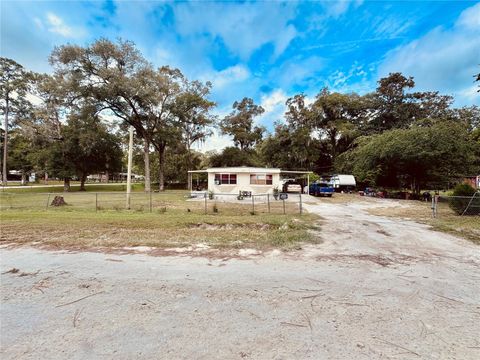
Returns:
<point x="308" y="183"/>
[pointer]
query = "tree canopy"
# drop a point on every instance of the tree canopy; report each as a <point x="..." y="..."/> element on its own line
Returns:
<point x="394" y="136"/>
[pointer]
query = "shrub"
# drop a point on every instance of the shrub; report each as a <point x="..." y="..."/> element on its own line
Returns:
<point x="463" y="190"/>
<point x="464" y="193"/>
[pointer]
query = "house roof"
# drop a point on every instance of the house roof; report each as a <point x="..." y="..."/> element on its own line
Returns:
<point x="247" y="169"/>
<point x="243" y="169"/>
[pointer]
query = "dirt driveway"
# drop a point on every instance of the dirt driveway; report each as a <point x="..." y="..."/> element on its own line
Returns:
<point x="376" y="288"/>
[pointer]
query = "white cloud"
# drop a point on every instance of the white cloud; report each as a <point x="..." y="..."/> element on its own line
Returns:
<point x="298" y="71"/>
<point x="215" y="142"/>
<point x="470" y="18"/>
<point x="243" y="28"/>
<point x="38" y="23"/>
<point x="445" y="59"/>
<point x="228" y="76"/>
<point x="58" y="26"/>
<point x="274" y="105"/>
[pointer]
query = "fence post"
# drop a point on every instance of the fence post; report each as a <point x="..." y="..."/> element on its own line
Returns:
<point x="96" y="202"/>
<point x="300" y="195"/>
<point x="205" y="195"/>
<point x="268" y="202"/>
<point x="48" y="200"/>
<point x="468" y="205"/>
<point x="283" y="206"/>
<point x="150" y="201"/>
<point x="253" y="204"/>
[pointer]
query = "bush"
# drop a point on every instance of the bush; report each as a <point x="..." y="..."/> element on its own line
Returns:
<point x="464" y="193"/>
<point x="463" y="190"/>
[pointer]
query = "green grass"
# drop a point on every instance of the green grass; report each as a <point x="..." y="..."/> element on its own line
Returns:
<point x="162" y="219"/>
<point x="173" y="228"/>
<point x="73" y="188"/>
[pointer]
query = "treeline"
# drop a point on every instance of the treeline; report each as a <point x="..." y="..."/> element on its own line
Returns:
<point x="73" y="123"/>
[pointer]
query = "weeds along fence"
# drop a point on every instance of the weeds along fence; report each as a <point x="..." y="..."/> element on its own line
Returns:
<point x="159" y="202"/>
<point x="444" y="206"/>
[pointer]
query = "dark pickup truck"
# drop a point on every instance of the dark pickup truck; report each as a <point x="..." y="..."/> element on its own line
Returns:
<point x="321" y="189"/>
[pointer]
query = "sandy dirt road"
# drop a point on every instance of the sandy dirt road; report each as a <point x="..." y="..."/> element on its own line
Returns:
<point x="376" y="288"/>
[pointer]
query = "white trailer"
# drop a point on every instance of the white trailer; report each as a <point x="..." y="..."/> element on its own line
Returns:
<point x="343" y="182"/>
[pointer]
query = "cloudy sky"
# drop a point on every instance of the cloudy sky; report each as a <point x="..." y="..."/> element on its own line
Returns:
<point x="267" y="50"/>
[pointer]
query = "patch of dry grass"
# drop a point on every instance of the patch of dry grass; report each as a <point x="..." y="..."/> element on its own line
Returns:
<point x="337" y="198"/>
<point x="446" y="221"/>
<point x="172" y="228"/>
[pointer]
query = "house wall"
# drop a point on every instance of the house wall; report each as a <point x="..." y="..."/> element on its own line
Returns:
<point x="243" y="184"/>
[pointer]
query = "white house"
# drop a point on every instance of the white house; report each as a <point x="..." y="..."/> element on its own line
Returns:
<point x="232" y="180"/>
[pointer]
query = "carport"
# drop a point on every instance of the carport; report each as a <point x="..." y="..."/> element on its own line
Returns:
<point x="297" y="175"/>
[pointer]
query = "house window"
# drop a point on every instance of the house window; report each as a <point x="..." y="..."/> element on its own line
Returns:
<point x="261" y="179"/>
<point x="221" y="179"/>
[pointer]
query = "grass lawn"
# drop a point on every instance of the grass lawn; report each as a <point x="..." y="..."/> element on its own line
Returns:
<point x="173" y="220"/>
<point x="173" y="228"/>
<point x="446" y="221"/>
<point x="75" y="187"/>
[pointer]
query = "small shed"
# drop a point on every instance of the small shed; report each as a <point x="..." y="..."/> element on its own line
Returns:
<point x="232" y="180"/>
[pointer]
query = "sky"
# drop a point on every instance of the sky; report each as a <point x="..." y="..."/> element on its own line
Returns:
<point x="267" y="50"/>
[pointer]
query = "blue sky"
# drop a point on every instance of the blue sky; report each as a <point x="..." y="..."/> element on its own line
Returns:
<point x="267" y="50"/>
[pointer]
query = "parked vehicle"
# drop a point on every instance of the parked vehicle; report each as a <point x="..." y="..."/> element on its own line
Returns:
<point x="321" y="189"/>
<point x="343" y="182"/>
<point x="293" y="188"/>
<point x="290" y="186"/>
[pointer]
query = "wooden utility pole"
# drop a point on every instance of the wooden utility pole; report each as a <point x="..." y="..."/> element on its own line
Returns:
<point x="5" y="145"/>
<point x="129" y="170"/>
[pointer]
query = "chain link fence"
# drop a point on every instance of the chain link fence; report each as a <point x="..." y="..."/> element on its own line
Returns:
<point x="179" y="201"/>
<point x="443" y="206"/>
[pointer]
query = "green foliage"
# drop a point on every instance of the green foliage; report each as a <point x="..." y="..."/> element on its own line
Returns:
<point x="289" y="148"/>
<point x="233" y="156"/>
<point x="463" y="190"/>
<point x="239" y="124"/>
<point x="412" y="157"/>
<point x="459" y="204"/>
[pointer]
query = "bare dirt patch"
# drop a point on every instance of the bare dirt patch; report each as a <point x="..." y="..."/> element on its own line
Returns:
<point x="272" y="306"/>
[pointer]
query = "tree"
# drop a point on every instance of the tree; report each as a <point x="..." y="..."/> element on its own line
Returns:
<point x="85" y="147"/>
<point x="22" y="154"/>
<point x="233" y="156"/>
<point x="45" y="123"/>
<point x="414" y="157"/>
<point x="14" y="84"/>
<point x="288" y="148"/>
<point x="90" y="147"/>
<point x="239" y="124"/>
<point x="335" y="117"/>
<point x="192" y="110"/>
<point x="117" y="76"/>
<point x="393" y="104"/>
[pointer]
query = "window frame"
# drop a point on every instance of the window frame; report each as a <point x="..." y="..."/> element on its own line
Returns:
<point x="267" y="179"/>
<point x="231" y="178"/>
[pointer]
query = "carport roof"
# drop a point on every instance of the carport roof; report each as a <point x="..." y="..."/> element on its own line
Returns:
<point x="246" y="169"/>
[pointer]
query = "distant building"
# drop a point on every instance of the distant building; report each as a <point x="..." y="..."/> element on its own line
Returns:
<point x="473" y="181"/>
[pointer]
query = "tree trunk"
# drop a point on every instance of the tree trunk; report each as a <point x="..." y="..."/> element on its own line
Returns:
<point x="5" y="144"/>
<point x="146" y="158"/>
<point x="24" y="178"/>
<point x="66" y="184"/>
<point x="107" y="176"/>
<point x="161" y="169"/>
<point x="189" y="167"/>
<point x="83" y="178"/>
